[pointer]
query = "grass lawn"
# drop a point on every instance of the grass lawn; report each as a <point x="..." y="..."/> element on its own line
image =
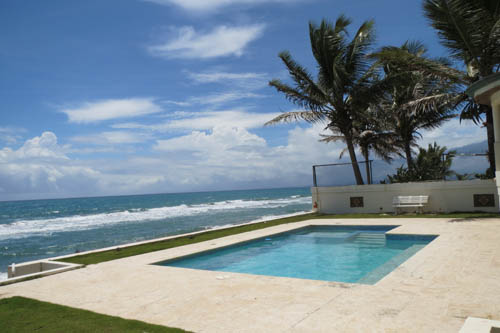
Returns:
<point x="19" y="314"/>
<point x="94" y="258"/>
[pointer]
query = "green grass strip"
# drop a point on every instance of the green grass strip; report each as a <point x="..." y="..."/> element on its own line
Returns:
<point x="19" y="314"/>
<point x="97" y="257"/>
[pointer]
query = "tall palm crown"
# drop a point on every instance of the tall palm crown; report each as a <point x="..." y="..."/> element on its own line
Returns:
<point x="470" y="30"/>
<point x="341" y="91"/>
<point x="407" y="118"/>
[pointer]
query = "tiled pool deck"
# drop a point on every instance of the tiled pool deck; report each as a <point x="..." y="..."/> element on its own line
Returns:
<point x="454" y="277"/>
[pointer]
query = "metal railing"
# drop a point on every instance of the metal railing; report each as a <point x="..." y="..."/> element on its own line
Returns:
<point x="465" y="166"/>
<point x="370" y="170"/>
<point x="468" y="169"/>
<point x="459" y="164"/>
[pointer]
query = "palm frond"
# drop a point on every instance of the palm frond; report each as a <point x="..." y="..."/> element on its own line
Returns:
<point x="405" y="61"/>
<point x="436" y="121"/>
<point x="469" y="29"/>
<point x="433" y="103"/>
<point x="331" y="138"/>
<point x="309" y="116"/>
<point x="342" y="152"/>
<point x="452" y="19"/>
<point x="304" y="82"/>
<point x="356" y="60"/>
<point x="414" y="47"/>
<point x="471" y="111"/>
<point x="297" y="96"/>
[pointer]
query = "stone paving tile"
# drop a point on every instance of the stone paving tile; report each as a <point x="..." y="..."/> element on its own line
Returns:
<point x="455" y="276"/>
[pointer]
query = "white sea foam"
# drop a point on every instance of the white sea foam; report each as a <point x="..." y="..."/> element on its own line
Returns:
<point x="262" y="219"/>
<point x="25" y="228"/>
<point x="3" y="276"/>
<point x="274" y="217"/>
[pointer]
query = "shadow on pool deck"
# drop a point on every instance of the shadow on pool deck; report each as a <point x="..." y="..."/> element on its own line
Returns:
<point x="472" y="218"/>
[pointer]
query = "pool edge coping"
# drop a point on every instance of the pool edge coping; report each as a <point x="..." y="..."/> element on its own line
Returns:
<point x="289" y="227"/>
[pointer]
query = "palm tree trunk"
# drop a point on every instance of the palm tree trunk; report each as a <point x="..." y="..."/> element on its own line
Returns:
<point x="354" y="161"/>
<point x="409" y="159"/>
<point x="367" y="166"/>
<point x="491" y="137"/>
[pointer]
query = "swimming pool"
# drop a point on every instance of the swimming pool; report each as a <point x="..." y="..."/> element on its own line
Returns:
<point x="355" y="254"/>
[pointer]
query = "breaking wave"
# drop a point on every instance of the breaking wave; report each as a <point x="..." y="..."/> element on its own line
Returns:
<point x="262" y="219"/>
<point x="24" y="228"/>
<point x="274" y="217"/>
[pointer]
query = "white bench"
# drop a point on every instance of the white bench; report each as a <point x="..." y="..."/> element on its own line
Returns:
<point x="410" y="201"/>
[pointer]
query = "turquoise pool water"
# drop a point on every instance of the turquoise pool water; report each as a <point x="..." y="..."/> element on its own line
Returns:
<point x="356" y="254"/>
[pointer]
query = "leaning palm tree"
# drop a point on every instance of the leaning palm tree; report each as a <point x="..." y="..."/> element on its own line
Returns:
<point x="407" y="117"/>
<point x="342" y="84"/>
<point x="470" y="30"/>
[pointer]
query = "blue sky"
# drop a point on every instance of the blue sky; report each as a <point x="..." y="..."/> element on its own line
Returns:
<point x="148" y="96"/>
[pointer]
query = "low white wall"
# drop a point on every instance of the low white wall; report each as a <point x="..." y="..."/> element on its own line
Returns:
<point x="444" y="196"/>
<point x="34" y="267"/>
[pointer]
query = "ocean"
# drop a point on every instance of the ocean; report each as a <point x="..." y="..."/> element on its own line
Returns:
<point x="37" y="229"/>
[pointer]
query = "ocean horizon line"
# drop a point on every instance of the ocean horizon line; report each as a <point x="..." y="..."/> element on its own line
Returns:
<point x="159" y="193"/>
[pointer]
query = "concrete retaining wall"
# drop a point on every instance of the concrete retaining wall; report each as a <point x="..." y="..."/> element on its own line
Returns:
<point x="444" y="196"/>
<point x="33" y="269"/>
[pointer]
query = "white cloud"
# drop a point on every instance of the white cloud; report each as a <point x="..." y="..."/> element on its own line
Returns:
<point x="225" y="157"/>
<point x="216" y="99"/>
<point x="209" y="77"/>
<point x="210" y="5"/>
<point x="40" y="168"/>
<point x="40" y="147"/>
<point x="250" y="81"/>
<point x="219" y="139"/>
<point x="92" y="112"/>
<point x="453" y="134"/>
<point x="207" y="120"/>
<point x="221" y="41"/>
<point x="111" y="138"/>
<point x="93" y="150"/>
<point x="177" y="103"/>
<point x="11" y="135"/>
<point x="224" y="98"/>
<point x="232" y="155"/>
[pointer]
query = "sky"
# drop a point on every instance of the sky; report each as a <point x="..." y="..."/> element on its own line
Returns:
<point x="159" y="96"/>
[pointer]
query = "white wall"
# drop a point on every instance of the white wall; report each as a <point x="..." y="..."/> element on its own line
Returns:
<point x="444" y="196"/>
<point x="33" y="267"/>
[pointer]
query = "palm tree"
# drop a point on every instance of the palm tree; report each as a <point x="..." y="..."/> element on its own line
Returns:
<point x="371" y="133"/>
<point x="433" y="163"/>
<point x="408" y="118"/>
<point x="342" y="88"/>
<point x="470" y="30"/>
